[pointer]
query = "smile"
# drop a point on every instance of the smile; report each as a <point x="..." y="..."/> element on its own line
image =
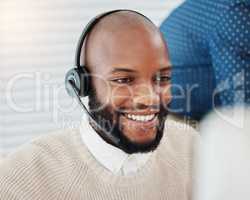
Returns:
<point x="141" y="118"/>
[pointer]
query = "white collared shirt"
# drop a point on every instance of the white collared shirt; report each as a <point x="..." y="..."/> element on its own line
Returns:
<point x="112" y="158"/>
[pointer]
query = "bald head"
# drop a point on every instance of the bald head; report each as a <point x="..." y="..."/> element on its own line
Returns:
<point x="122" y="20"/>
<point x="117" y="35"/>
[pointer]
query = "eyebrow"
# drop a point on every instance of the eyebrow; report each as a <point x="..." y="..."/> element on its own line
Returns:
<point x="168" y="68"/>
<point x="123" y="70"/>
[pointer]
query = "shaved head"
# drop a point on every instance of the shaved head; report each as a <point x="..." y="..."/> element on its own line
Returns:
<point x="124" y="29"/>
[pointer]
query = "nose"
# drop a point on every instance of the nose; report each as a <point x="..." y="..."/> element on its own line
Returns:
<point x="145" y="96"/>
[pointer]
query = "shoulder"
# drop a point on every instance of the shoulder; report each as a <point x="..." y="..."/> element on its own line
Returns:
<point x="55" y="142"/>
<point x="237" y="7"/>
<point x="181" y="131"/>
<point x="180" y="141"/>
<point x="37" y="167"/>
<point x="234" y="11"/>
<point x="232" y="29"/>
<point x="56" y="146"/>
<point x="176" y="154"/>
<point x="237" y="2"/>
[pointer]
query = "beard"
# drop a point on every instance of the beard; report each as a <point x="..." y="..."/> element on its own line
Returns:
<point x="109" y="121"/>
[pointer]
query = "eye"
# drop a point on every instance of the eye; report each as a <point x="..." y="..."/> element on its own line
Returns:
<point x="161" y="79"/>
<point x="125" y="80"/>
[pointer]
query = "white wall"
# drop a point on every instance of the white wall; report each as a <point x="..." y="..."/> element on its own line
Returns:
<point x="38" y="41"/>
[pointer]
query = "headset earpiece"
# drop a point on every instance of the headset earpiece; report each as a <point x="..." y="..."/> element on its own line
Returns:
<point x="78" y="78"/>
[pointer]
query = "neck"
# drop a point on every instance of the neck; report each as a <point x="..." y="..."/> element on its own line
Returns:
<point x="104" y="134"/>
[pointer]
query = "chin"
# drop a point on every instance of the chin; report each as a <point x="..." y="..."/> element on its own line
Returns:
<point x="143" y="137"/>
<point x="140" y="145"/>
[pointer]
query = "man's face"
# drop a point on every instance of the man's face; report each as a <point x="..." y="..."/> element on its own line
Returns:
<point x="131" y="88"/>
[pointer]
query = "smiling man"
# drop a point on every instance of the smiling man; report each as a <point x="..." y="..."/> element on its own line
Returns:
<point x="125" y="150"/>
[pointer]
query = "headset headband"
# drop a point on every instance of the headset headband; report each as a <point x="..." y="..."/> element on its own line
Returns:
<point x="89" y="27"/>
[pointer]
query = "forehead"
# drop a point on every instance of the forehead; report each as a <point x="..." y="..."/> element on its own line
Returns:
<point x="137" y="46"/>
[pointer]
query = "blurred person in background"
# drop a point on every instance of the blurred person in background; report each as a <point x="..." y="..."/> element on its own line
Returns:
<point x="224" y="156"/>
<point x="209" y="47"/>
<point x="134" y="154"/>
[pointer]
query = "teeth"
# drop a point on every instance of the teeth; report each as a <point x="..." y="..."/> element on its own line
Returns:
<point x="142" y="118"/>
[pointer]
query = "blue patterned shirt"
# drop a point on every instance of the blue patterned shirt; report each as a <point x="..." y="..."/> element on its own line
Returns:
<point x="209" y="46"/>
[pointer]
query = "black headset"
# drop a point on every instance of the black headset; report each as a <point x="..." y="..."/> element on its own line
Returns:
<point x="77" y="79"/>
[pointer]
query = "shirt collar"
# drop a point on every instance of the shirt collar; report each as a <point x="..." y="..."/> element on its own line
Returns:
<point x="112" y="158"/>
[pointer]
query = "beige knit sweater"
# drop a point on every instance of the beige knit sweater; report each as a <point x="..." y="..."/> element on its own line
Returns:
<point x="59" y="167"/>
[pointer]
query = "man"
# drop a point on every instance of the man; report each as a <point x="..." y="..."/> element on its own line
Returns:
<point x="130" y="78"/>
<point x="209" y="45"/>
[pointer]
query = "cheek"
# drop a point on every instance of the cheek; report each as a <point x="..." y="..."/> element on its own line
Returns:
<point x="120" y="97"/>
<point x="102" y="89"/>
<point x="166" y="95"/>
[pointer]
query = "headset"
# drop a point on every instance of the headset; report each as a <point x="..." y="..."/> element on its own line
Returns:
<point x="77" y="79"/>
